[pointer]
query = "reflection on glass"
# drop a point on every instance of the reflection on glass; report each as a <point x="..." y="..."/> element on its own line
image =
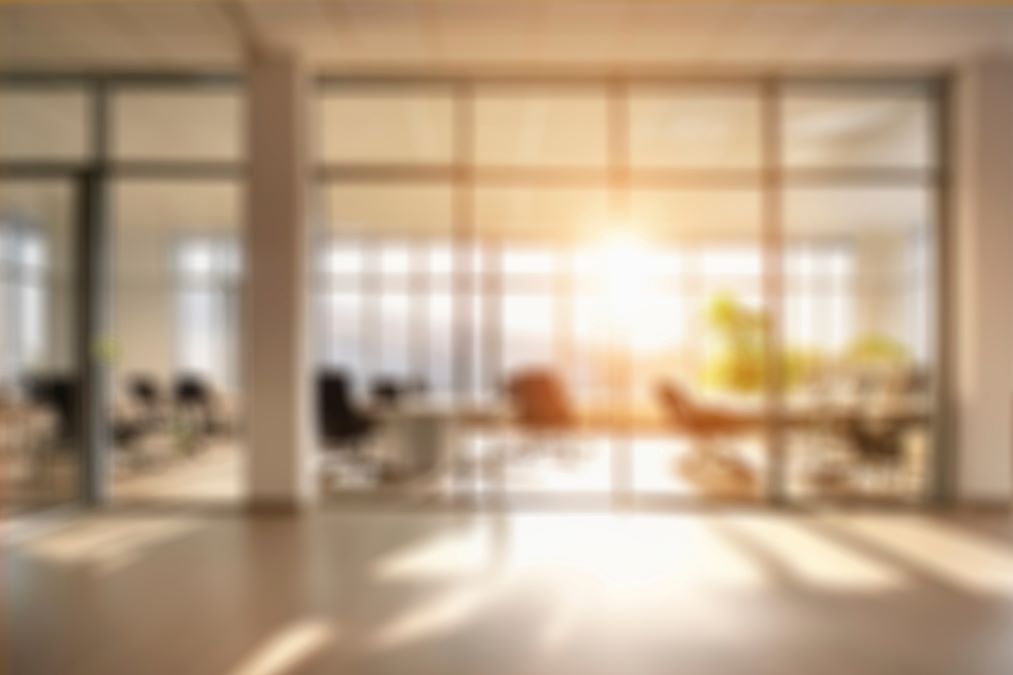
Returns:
<point x="639" y="315"/>
<point x="40" y="458"/>
<point x="44" y="124"/>
<point x="847" y="126"/>
<point x="176" y="285"/>
<point x="695" y="127"/>
<point x="557" y="126"/>
<point x="857" y="348"/>
<point x="389" y="125"/>
<point x="163" y="123"/>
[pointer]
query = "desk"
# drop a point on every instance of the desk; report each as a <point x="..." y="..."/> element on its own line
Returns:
<point x="26" y="432"/>
<point x="417" y="437"/>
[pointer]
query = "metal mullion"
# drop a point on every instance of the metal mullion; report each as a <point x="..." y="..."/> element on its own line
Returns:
<point x="17" y="170"/>
<point x="463" y="236"/>
<point x="156" y="169"/>
<point x="525" y="175"/>
<point x="858" y="176"/>
<point x="772" y="230"/>
<point x="120" y="78"/>
<point x="367" y="172"/>
<point x="943" y="490"/>
<point x="521" y="76"/>
<point x="619" y="197"/>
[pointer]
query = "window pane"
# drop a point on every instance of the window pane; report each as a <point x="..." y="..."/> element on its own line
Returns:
<point x="400" y="209"/>
<point x="177" y="125"/>
<point x="696" y="215"/>
<point x="175" y="245"/>
<point x="395" y="328"/>
<point x="441" y="346"/>
<point x="541" y="127"/>
<point x="37" y="254"/>
<point x="858" y="336"/>
<point x="396" y="125"/>
<point x="339" y="323"/>
<point x="863" y="247"/>
<point x="45" y="124"/>
<point x="343" y="259"/>
<point x="529" y="332"/>
<point x="695" y="127"/>
<point x="540" y="214"/>
<point x="395" y="260"/>
<point x="853" y="127"/>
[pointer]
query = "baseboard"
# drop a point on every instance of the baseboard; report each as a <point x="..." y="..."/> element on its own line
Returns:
<point x="985" y="505"/>
<point x="276" y="506"/>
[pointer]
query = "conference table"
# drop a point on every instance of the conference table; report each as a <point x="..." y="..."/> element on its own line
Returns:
<point x="419" y="436"/>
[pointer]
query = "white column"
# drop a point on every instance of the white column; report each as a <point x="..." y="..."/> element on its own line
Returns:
<point x="981" y="312"/>
<point x="276" y="365"/>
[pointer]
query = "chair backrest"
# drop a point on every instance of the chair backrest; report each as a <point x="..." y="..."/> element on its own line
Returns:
<point x="389" y="391"/>
<point x="57" y="393"/>
<point x="337" y="416"/>
<point x="192" y="390"/>
<point x="144" y="390"/>
<point x="676" y="404"/>
<point x="540" y="400"/>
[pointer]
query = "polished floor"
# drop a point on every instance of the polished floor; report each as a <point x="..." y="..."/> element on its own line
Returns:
<point x="337" y="591"/>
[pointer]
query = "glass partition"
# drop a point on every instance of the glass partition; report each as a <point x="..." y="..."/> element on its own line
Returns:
<point x="859" y="307"/>
<point x="375" y="125"/>
<point x="836" y="125"/>
<point x="188" y="123"/>
<point x="40" y="381"/>
<point x="537" y="127"/>
<point x="175" y="305"/>
<point x="642" y="288"/>
<point x="695" y="127"/>
<point x="858" y="343"/>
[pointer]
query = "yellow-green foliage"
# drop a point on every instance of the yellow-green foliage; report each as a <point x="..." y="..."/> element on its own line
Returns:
<point x="737" y="356"/>
<point x="877" y="350"/>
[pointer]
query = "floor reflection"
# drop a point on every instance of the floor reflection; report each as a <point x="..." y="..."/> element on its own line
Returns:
<point x="506" y="593"/>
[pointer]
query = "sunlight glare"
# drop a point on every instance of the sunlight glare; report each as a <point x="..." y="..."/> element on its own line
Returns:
<point x="956" y="557"/>
<point x="288" y="649"/>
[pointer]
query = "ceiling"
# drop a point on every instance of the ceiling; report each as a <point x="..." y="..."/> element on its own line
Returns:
<point x="400" y="34"/>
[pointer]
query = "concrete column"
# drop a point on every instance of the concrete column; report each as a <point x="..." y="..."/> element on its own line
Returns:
<point x="276" y="361"/>
<point x="981" y="276"/>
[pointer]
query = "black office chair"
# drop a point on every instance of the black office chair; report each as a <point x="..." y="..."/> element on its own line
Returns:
<point x="144" y="390"/>
<point x="194" y="410"/>
<point x="341" y="424"/>
<point x="389" y="392"/>
<point x="147" y="396"/>
<point x="58" y="394"/>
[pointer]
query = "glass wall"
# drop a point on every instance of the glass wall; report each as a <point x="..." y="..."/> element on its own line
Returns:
<point x="701" y="269"/>
<point x="40" y="384"/>
<point x="727" y="289"/>
<point x="175" y="291"/>
<point x="859" y="227"/>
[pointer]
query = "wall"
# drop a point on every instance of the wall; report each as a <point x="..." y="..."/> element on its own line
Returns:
<point x="981" y="281"/>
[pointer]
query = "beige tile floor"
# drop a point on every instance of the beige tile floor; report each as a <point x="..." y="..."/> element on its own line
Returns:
<point x="152" y="592"/>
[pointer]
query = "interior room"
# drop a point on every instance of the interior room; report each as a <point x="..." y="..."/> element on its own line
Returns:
<point x="647" y="304"/>
<point x="436" y="298"/>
